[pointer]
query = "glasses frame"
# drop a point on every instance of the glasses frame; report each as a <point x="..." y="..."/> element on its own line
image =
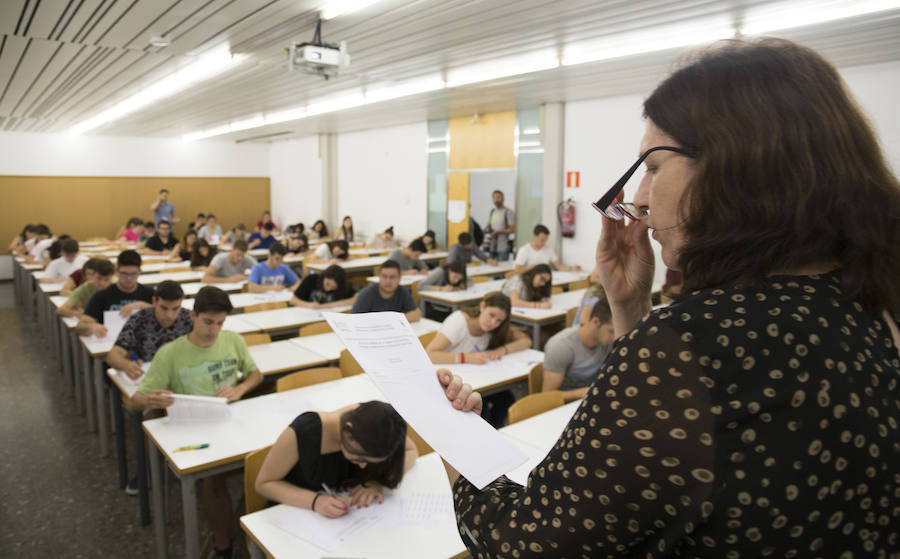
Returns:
<point x="606" y="201"/>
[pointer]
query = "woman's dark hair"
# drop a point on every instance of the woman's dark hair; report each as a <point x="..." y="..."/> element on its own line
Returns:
<point x="390" y="230"/>
<point x="381" y="433"/>
<point x="458" y="267"/>
<point x="185" y="240"/>
<point x="339" y="275"/>
<point x="304" y="242"/>
<point x="537" y="293"/>
<point x="341" y="244"/>
<point x="198" y="259"/>
<point x="30" y="228"/>
<point x="347" y="232"/>
<point x="501" y="334"/>
<point x="431" y="234"/>
<point x="324" y="231"/>
<point x="787" y="173"/>
<point x="418" y="245"/>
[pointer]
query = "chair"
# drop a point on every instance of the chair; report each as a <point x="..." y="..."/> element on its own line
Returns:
<point x="536" y="379"/>
<point x="421" y="446"/>
<point x="315" y="328"/>
<point x="414" y="291"/>
<point x="252" y="464"/>
<point x="307" y="377"/>
<point x="479" y="279"/>
<point x="256" y="339"/>
<point x="570" y="316"/>
<point x="376" y="271"/>
<point x="349" y="365"/>
<point x="511" y="273"/>
<point x="556" y="289"/>
<point x="179" y="269"/>
<point x="580" y="284"/>
<point x="426" y="338"/>
<point x="265" y="306"/>
<point x="534" y="404"/>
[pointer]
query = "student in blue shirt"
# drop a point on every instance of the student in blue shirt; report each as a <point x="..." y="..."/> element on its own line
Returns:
<point x="272" y="275"/>
<point x="262" y="238"/>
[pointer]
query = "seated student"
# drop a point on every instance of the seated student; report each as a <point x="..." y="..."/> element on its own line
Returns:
<point x="186" y="248"/>
<point x="65" y="265"/>
<point x="40" y="250"/>
<point x="463" y="251"/>
<point x="384" y="239"/>
<point x="271" y="274"/>
<point x="387" y="295"/>
<point x="211" y="231"/>
<point x="346" y="230"/>
<point x="409" y="257"/>
<point x="295" y="229"/>
<point x="297" y="244"/>
<point x="78" y="277"/>
<point x="125" y="296"/>
<point x="478" y="335"/>
<point x="202" y="255"/>
<point x="332" y="251"/>
<point x="537" y="252"/>
<point x="99" y="273"/>
<point x="362" y="448"/>
<point x="162" y="242"/>
<point x="321" y="291"/>
<point x="428" y="239"/>
<point x="230" y="267"/>
<point x="449" y="277"/>
<point x="263" y="238"/>
<point x="266" y="218"/>
<point x="19" y="241"/>
<point x="572" y="357"/>
<point x="199" y="222"/>
<point x="531" y="288"/>
<point x="133" y="230"/>
<point x="205" y="362"/>
<point x="237" y="233"/>
<point x="149" y="231"/>
<point x="318" y="231"/>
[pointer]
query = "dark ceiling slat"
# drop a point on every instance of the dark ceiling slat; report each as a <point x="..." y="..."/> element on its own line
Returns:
<point x="168" y="32"/>
<point x="37" y="5"/>
<point x="62" y="16"/>
<point x="118" y="19"/>
<point x="152" y="23"/>
<point x="96" y="21"/>
<point x="230" y="26"/>
<point x="12" y="76"/>
<point x="68" y="21"/>
<point x="21" y="16"/>
<point x="97" y="59"/>
<point x="88" y="95"/>
<point x="36" y="79"/>
<point x="48" y="88"/>
<point x="51" y="99"/>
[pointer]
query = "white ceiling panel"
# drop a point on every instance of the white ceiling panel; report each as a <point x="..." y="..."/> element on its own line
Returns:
<point x="63" y="61"/>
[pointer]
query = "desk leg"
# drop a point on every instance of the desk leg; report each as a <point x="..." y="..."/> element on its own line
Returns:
<point x="119" y="418"/>
<point x="536" y="335"/>
<point x="140" y="466"/>
<point x="191" y="525"/>
<point x="159" y="515"/>
<point x="100" y="406"/>
<point x="89" y="410"/>
<point x="67" y="358"/>
<point x="76" y="371"/>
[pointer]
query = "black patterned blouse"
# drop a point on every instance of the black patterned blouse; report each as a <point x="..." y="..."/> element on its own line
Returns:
<point x="738" y="422"/>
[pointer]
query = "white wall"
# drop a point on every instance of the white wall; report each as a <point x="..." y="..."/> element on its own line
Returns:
<point x="62" y="154"/>
<point x="602" y="138"/>
<point x="382" y="180"/>
<point x="296" y="181"/>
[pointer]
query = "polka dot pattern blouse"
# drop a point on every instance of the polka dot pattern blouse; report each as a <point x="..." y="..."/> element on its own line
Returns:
<point x="738" y="422"/>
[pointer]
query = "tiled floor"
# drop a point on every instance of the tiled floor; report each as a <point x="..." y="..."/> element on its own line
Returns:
<point x="58" y="498"/>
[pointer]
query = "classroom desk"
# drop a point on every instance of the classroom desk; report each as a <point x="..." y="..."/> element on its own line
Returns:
<point x="564" y="278"/>
<point x="331" y="346"/>
<point x="535" y="318"/>
<point x="405" y="280"/>
<point x="463" y="298"/>
<point x="490" y="271"/>
<point x="290" y="318"/>
<point x="277" y="358"/>
<point x="162" y="266"/>
<point x="365" y="252"/>
<point x="191" y="289"/>
<point x="359" y="264"/>
<point x="255" y="423"/>
<point x="243" y="300"/>
<point x="180" y="277"/>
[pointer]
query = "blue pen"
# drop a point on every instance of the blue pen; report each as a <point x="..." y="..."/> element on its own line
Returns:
<point x="134" y="357"/>
<point x="327" y="489"/>
<point x="476" y="349"/>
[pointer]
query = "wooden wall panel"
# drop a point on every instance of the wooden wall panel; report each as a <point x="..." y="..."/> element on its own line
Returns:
<point x="97" y="206"/>
<point x="486" y="144"/>
<point x="457" y="190"/>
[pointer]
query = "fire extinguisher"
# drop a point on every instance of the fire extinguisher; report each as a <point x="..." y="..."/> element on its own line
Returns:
<point x="566" y="213"/>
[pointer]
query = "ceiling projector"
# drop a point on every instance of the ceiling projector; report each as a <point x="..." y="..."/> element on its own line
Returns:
<point x="318" y="57"/>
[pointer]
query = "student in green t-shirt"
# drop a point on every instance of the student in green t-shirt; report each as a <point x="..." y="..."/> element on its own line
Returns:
<point x="205" y="362"/>
<point x="100" y="273"/>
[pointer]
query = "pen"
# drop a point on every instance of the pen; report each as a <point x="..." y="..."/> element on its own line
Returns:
<point x="192" y="447"/>
<point x="476" y="348"/>
<point x="134" y="357"/>
<point x="327" y="489"/>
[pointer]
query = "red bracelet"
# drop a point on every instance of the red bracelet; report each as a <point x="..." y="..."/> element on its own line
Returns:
<point x="462" y="357"/>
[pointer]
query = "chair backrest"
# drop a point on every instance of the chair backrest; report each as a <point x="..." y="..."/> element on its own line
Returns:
<point x="315" y="328"/>
<point x="348" y="365"/>
<point x="414" y="291"/>
<point x="376" y="271"/>
<point x="570" y="316"/>
<point x="256" y="339"/>
<point x="307" y="377"/>
<point x="421" y="445"/>
<point x="555" y="289"/>
<point x="536" y="378"/>
<point x="271" y="305"/>
<point x="252" y="464"/>
<point x="534" y="404"/>
<point x="511" y="273"/>
<point x="580" y="284"/>
<point x="178" y="269"/>
<point x="479" y="279"/>
<point x="426" y="338"/>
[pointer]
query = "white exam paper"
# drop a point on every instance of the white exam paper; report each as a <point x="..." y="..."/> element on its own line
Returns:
<point x="113" y="321"/>
<point x="327" y="533"/>
<point x="390" y="353"/>
<point x="198" y="409"/>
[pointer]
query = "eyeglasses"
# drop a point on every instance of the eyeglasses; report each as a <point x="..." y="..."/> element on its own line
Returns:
<point x="620" y="210"/>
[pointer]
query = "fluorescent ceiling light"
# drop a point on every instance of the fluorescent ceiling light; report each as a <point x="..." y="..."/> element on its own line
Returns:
<point x="330" y="105"/>
<point x="651" y="40"/>
<point x="206" y="66"/>
<point x="337" y="8"/>
<point x="378" y="92"/>
<point x="789" y="15"/>
<point x="286" y="115"/>
<point x="503" y="67"/>
<point x="209" y="132"/>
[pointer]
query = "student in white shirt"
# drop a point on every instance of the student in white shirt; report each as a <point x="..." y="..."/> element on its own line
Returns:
<point x="537" y="252"/>
<point x="211" y="231"/>
<point x="332" y="251"/>
<point x="63" y="266"/>
<point x="39" y="252"/>
<point x="478" y="334"/>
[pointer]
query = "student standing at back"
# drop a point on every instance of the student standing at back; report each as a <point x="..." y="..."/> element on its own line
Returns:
<point x="162" y="208"/>
<point x="387" y="295"/>
<point x="501" y="224"/>
<point x="272" y="274"/>
<point x="125" y="296"/>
